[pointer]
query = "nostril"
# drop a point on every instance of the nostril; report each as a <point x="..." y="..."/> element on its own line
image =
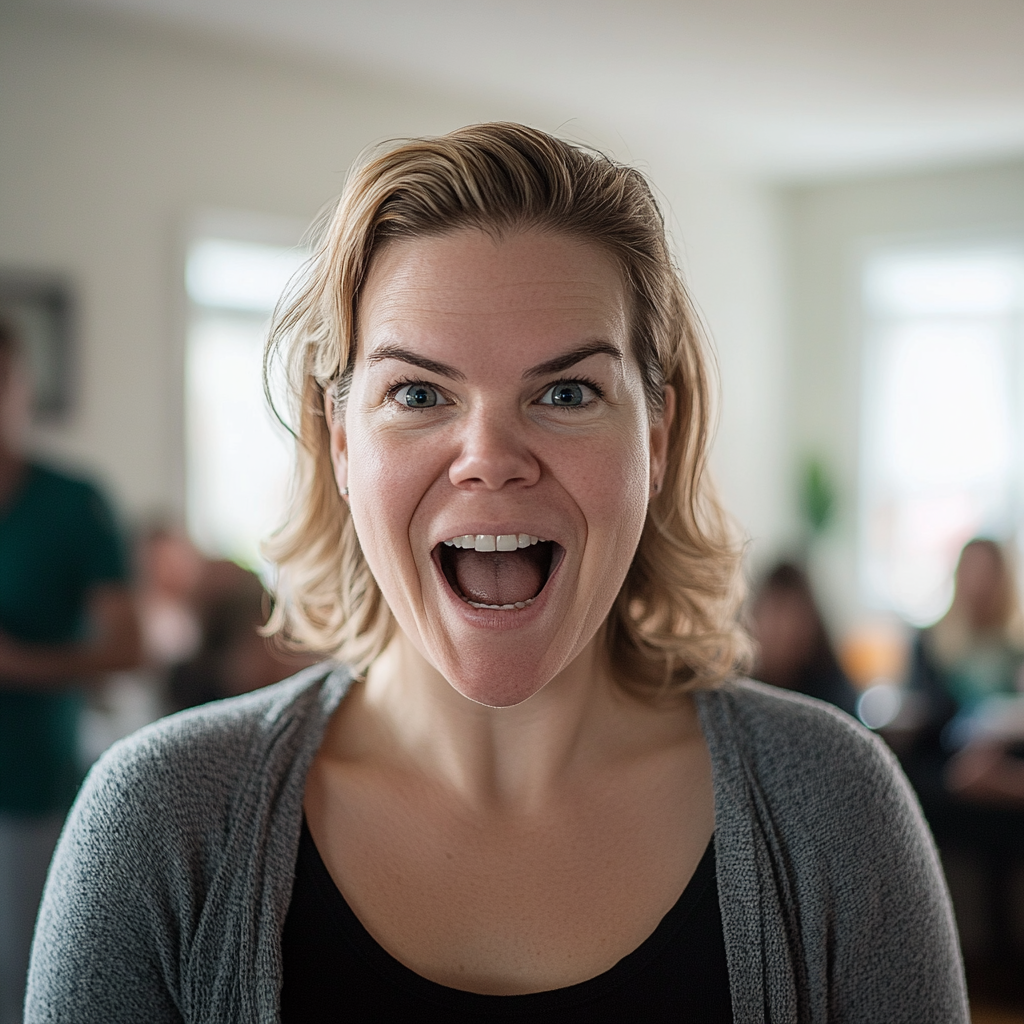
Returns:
<point x="491" y="465"/>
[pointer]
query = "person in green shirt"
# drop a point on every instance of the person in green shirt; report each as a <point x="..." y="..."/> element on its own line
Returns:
<point x="66" y="617"/>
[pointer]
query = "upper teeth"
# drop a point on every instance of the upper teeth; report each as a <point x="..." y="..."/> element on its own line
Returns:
<point x="493" y="542"/>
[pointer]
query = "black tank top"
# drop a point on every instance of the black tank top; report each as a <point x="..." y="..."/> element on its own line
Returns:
<point x="335" y="971"/>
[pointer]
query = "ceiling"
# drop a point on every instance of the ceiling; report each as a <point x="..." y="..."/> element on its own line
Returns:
<point x="787" y="89"/>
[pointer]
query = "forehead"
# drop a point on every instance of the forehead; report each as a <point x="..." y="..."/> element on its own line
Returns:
<point x="467" y="280"/>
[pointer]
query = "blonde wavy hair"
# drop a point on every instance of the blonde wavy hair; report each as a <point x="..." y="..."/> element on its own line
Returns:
<point x="674" y="622"/>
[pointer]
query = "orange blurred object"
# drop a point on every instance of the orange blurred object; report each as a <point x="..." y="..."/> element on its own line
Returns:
<point x="874" y="652"/>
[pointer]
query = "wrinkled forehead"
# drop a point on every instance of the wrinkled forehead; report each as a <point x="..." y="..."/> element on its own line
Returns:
<point x="471" y="277"/>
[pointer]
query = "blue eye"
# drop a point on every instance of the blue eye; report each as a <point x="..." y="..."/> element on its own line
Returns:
<point x="419" y="396"/>
<point x="566" y="394"/>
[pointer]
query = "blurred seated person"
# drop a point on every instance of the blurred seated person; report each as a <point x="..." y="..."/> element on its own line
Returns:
<point x="171" y="568"/>
<point x="970" y="783"/>
<point x="232" y="656"/>
<point x="168" y="569"/>
<point x="66" y="619"/>
<point x="201" y="621"/>
<point x="973" y="653"/>
<point x="794" y="649"/>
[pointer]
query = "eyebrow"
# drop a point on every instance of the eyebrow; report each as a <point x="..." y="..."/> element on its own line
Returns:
<point x="404" y="355"/>
<point x="556" y="365"/>
<point x="577" y="355"/>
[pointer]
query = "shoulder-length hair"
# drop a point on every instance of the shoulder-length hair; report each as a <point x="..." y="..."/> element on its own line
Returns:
<point x="673" y="622"/>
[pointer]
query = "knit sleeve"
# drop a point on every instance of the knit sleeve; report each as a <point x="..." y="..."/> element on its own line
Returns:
<point x="108" y="936"/>
<point x="833" y="901"/>
<point x="171" y="881"/>
<point x="894" y="948"/>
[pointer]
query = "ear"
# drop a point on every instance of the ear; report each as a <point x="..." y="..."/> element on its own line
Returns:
<point x="661" y="430"/>
<point x="338" y="444"/>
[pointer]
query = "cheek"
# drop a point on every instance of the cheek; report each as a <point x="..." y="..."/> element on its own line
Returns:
<point x="610" y="484"/>
<point x="387" y="480"/>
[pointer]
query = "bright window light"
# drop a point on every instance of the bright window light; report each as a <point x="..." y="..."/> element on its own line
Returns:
<point x="244" y="276"/>
<point x="238" y="454"/>
<point x="937" y="284"/>
<point x="942" y="416"/>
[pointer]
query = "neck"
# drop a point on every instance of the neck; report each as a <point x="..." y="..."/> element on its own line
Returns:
<point x="491" y="757"/>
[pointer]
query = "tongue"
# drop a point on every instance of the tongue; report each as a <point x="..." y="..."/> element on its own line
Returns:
<point x="499" y="577"/>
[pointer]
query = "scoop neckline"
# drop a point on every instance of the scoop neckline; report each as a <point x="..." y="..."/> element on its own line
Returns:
<point x="393" y="972"/>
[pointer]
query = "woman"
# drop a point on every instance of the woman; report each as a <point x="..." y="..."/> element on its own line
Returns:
<point x="972" y="654"/>
<point x="529" y="792"/>
<point x="970" y="779"/>
<point x="794" y="650"/>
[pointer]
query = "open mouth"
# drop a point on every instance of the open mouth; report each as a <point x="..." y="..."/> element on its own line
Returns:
<point x="503" y="571"/>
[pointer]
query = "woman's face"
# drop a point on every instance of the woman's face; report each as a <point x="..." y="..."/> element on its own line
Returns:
<point x="498" y="451"/>
<point x="981" y="586"/>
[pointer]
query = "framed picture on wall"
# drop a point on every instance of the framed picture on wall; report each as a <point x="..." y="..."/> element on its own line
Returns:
<point x="40" y="308"/>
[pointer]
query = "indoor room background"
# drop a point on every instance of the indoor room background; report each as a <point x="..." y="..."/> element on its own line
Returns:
<point x="844" y="189"/>
<point x="789" y="152"/>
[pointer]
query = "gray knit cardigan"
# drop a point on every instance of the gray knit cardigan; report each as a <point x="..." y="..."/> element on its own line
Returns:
<point x="168" y="892"/>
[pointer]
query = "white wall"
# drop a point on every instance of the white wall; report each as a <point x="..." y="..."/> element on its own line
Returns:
<point x="112" y="136"/>
<point x="830" y="227"/>
<point x="732" y="257"/>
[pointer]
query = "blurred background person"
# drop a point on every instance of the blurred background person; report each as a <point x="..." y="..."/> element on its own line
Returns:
<point x="230" y="606"/>
<point x="973" y="653"/>
<point x="66" y="618"/>
<point x="794" y="648"/>
<point x="964" y="760"/>
<point x="201" y="622"/>
<point x="170" y="570"/>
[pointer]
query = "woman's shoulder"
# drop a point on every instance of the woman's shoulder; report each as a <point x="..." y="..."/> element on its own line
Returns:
<point x="175" y="831"/>
<point x="825" y="862"/>
<point x="798" y="745"/>
<point x="760" y="710"/>
<point x="822" y="780"/>
<point x="213" y="729"/>
<point x="195" y="762"/>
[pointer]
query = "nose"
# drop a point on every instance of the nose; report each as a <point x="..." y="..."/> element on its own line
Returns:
<point x="494" y="452"/>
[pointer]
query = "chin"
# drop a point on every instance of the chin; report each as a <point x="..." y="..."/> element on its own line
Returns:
<point x="494" y="686"/>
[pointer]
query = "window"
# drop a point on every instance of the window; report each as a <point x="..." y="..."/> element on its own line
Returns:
<point x="943" y="434"/>
<point x="238" y="455"/>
